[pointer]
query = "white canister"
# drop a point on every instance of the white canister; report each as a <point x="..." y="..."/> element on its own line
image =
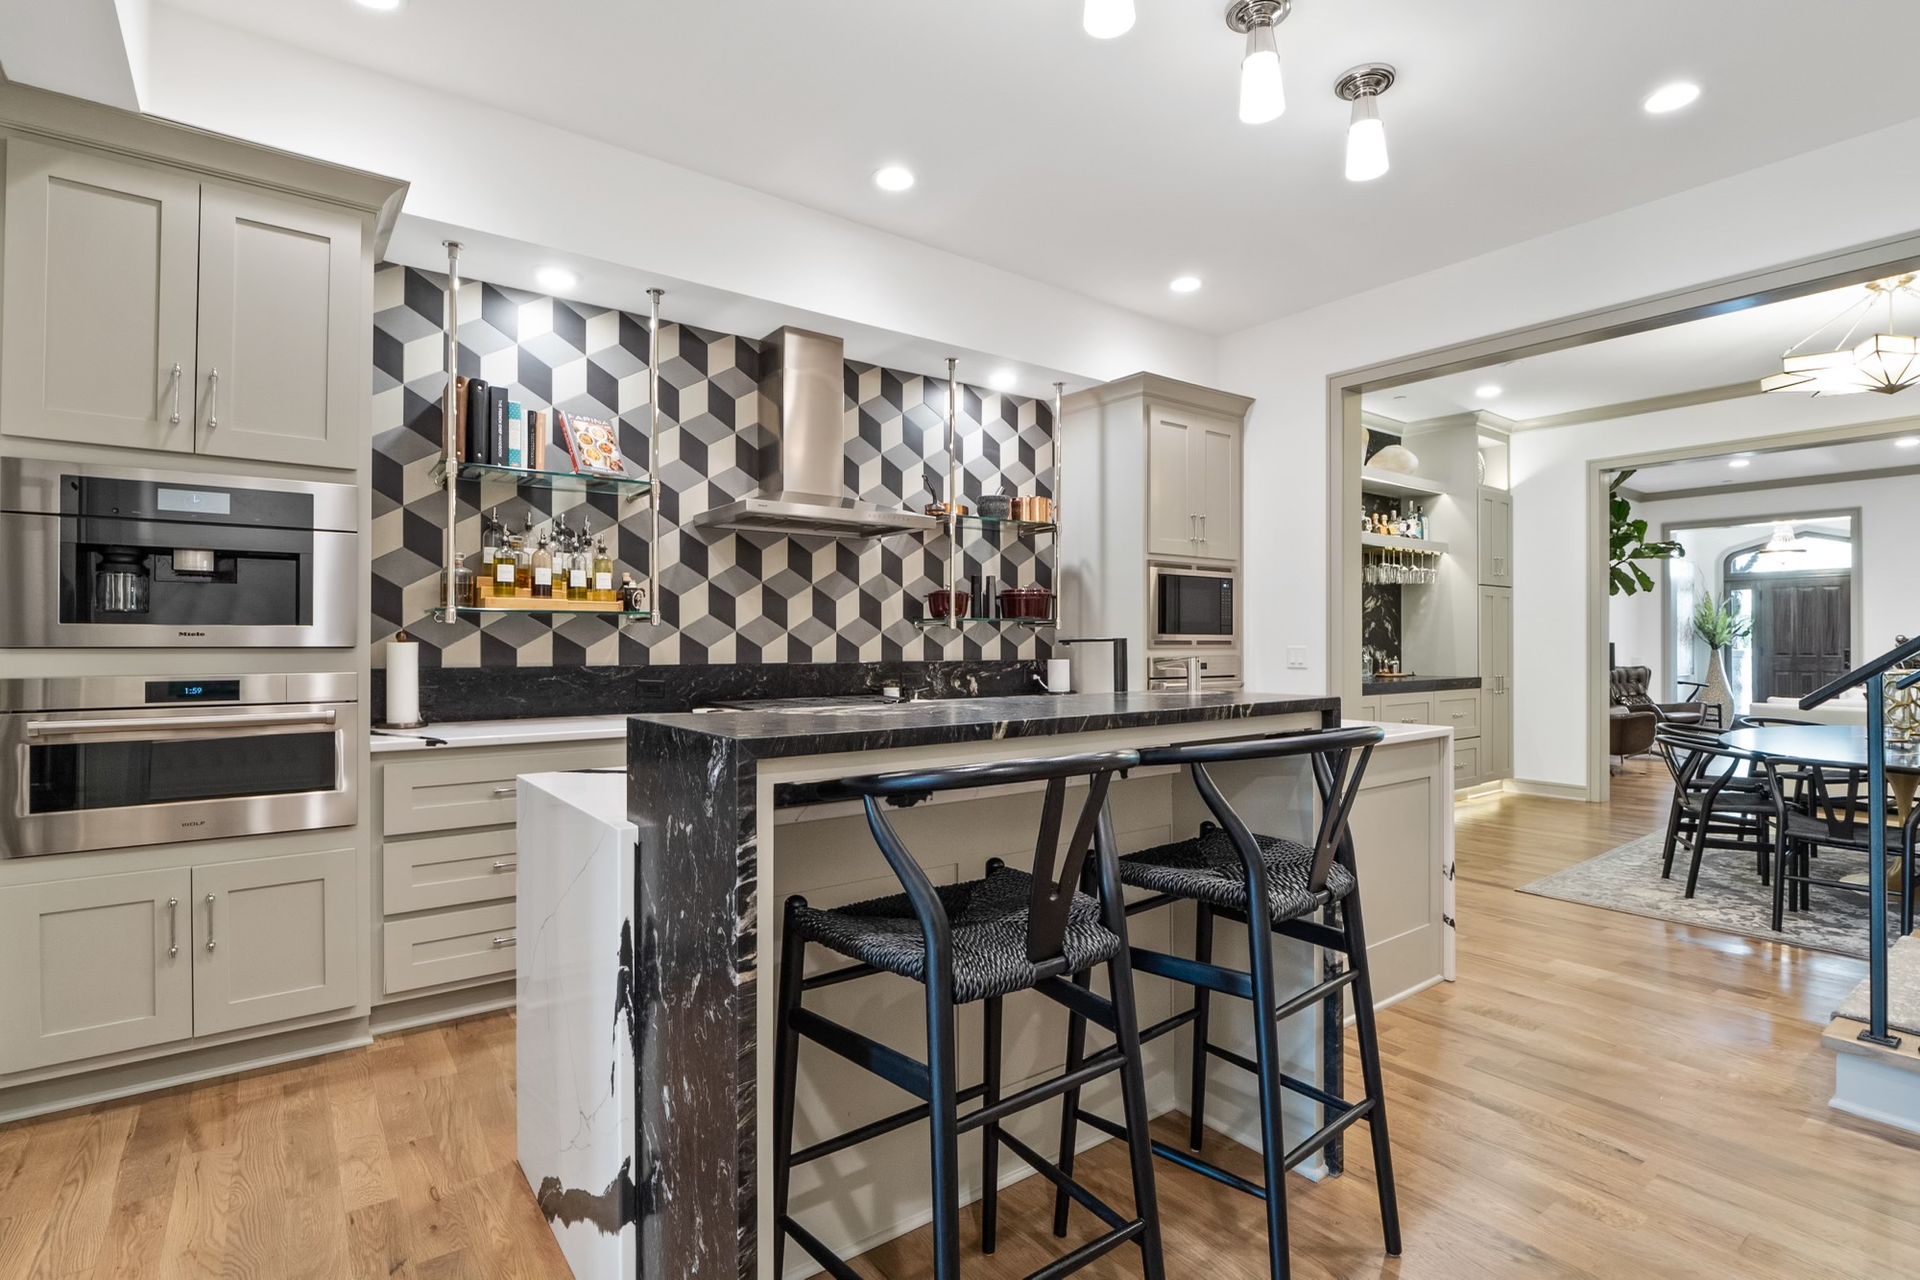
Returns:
<point x="403" y="681"/>
<point x="1059" y="675"/>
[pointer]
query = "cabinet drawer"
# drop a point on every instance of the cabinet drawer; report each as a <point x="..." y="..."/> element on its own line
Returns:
<point x="448" y="792"/>
<point x="452" y="946"/>
<point x="424" y="872"/>
<point x="1460" y="712"/>
<point x="1364" y="709"/>
<point x="1466" y="764"/>
<point x="1413" y="708"/>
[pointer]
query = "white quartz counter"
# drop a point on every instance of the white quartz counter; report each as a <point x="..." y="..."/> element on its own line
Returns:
<point x="501" y="733"/>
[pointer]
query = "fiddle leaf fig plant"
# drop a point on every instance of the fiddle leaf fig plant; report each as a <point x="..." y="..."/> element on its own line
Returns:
<point x="1628" y="544"/>
<point x="1719" y="624"/>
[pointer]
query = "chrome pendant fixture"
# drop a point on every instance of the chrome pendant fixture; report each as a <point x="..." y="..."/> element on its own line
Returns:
<point x="1263" y="96"/>
<point x="1366" y="135"/>
<point x="1885" y="362"/>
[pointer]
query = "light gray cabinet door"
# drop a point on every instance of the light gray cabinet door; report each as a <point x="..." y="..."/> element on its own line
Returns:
<point x="1496" y="538"/>
<point x="281" y="375"/>
<point x="1173" y="523"/>
<point x="1496" y="682"/>
<point x="1216" y="475"/>
<point x="97" y="324"/>
<point x="274" y="938"/>
<point x="94" y="966"/>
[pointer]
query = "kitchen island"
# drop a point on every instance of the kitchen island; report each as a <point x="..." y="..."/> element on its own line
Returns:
<point x="726" y="818"/>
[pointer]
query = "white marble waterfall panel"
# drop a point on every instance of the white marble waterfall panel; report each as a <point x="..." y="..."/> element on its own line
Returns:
<point x="576" y="1028"/>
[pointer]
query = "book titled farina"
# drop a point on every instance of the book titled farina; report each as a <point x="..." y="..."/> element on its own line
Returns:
<point x="593" y="444"/>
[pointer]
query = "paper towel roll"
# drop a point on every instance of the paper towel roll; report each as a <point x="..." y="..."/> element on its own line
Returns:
<point x="403" y="680"/>
<point x="1059" y="675"/>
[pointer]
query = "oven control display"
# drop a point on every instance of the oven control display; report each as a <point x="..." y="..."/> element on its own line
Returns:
<point x="193" y="691"/>
<point x="199" y="502"/>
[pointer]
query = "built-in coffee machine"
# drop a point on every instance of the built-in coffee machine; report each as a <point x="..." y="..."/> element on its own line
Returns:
<point x="107" y="557"/>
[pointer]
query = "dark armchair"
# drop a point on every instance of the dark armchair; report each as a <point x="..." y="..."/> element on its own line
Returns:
<point x="1631" y="733"/>
<point x="1628" y="688"/>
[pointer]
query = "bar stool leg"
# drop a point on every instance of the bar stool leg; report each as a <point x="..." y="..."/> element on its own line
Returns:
<point x="1070" y="1108"/>
<point x="1202" y="1006"/>
<point x="1369" y="1037"/>
<point x="943" y="1112"/>
<point x="990" y="1133"/>
<point x="1266" y="1041"/>
<point x="1134" y="1097"/>
<point x="1779" y="885"/>
<point x="786" y="1075"/>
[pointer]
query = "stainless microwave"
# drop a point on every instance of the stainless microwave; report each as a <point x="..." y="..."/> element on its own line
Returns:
<point x="1192" y="604"/>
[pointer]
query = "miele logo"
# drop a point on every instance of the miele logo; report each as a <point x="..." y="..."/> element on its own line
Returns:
<point x="191" y="634"/>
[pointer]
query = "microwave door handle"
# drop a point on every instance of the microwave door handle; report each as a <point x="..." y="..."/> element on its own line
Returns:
<point x="171" y="724"/>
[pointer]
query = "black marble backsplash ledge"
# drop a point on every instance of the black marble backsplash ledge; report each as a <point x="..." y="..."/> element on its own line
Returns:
<point x="1418" y="684"/>
<point x="452" y="694"/>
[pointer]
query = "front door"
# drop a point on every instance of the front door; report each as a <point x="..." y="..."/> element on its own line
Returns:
<point x="1802" y="632"/>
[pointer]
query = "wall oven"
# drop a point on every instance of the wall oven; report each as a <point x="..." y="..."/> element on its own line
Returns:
<point x="1192" y="604"/>
<point x="101" y="556"/>
<point x="107" y="762"/>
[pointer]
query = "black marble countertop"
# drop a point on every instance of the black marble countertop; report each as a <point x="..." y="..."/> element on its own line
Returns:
<point x="1418" y="684"/>
<point x="913" y="724"/>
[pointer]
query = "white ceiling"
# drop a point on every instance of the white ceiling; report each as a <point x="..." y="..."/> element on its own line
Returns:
<point x="1717" y="351"/>
<point x="1109" y="167"/>
<point x="1774" y="468"/>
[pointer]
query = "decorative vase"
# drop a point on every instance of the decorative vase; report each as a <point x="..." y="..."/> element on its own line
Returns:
<point x="1718" y="693"/>
<point x="1902" y="711"/>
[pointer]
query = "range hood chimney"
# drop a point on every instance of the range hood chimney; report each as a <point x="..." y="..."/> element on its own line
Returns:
<point x="803" y="402"/>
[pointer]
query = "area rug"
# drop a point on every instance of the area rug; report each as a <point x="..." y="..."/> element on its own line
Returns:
<point x="1729" y="897"/>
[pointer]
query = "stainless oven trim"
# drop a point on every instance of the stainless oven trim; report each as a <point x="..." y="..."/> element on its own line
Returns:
<point x="111" y="693"/>
<point x="32" y="486"/>
<point x="28" y="608"/>
<point x="23" y="835"/>
<point x="1156" y="572"/>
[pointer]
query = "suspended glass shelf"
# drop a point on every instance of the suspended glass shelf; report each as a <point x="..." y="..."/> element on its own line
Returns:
<point x="927" y="623"/>
<point x="558" y="481"/>
<point x="996" y="522"/>
<point x="571" y="610"/>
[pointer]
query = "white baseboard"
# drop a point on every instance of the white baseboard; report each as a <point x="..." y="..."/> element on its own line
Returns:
<point x="1548" y="790"/>
<point x="442" y="1006"/>
<point x="1873" y="1088"/>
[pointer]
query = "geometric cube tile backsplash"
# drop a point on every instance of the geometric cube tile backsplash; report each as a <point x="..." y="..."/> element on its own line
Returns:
<point x="724" y="597"/>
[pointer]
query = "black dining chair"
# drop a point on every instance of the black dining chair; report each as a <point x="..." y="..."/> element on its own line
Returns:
<point x="1720" y="800"/>
<point x="1827" y="806"/>
<point x="981" y="940"/>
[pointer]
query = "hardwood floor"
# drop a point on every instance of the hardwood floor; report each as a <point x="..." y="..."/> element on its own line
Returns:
<point x="1598" y="1095"/>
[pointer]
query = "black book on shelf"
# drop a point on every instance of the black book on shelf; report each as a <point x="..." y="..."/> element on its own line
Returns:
<point x="497" y="426"/>
<point x="479" y="435"/>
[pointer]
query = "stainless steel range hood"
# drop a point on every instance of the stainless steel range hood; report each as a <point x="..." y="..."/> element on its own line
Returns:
<point x="803" y="403"/>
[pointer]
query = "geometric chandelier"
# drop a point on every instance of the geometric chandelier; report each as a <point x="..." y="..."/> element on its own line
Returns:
<point x="1886" y="362"/>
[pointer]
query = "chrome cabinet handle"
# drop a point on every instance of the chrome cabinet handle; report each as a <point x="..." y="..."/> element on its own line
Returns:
<point x="173" y="420"/>
<point x="173" y="926"/>
<point x="1203" y="526"/>
<point x="213" y="399"/>
<point x="505" y="866"/>
<point x="502" y="792"/>
<point x="209" y="922"/>
<point x="506" y="940"/>
<point x="168" y="724"/>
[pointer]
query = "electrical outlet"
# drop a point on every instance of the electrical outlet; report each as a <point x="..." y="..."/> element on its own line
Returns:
<point x="1296" y="657"/>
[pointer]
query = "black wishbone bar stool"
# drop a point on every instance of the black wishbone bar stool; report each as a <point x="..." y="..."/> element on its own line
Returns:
<point x="1224" y="870"/>
<point x="982" y="940"/>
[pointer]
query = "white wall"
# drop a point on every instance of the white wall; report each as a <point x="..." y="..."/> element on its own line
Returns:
<point x="477" y="168"/>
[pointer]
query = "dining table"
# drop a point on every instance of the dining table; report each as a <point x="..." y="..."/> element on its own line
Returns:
<point x="1838" y="746"/>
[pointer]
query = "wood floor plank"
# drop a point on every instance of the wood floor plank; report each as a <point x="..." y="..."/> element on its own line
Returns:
<point x="1598" y="1096"/>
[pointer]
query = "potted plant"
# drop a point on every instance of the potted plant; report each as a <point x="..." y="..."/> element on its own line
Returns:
<point x="1627" y="539"/>
<point x="1719" y="623"/>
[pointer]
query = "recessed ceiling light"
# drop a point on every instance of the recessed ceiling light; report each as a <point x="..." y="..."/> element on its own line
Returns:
<point x="1671" y="97"/>
<point x="1105" y="19"/>
<point x="1739" y="463"/>
<point x="384" y="6"/>
<point x="1000" y="379"/>
<point x="893" y="177"/>
<point x="1184" y="284"/>
<point x="1907" y="442"/>
<point x="1487" y="391"/>
<point x="558" y="279"/>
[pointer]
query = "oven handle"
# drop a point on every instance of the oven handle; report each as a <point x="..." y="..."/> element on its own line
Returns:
<point x="127" y="724"/>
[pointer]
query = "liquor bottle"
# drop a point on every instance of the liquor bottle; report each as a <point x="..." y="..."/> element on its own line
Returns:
<point x="523" y="556"/>
<point x="603" y="588"/>
<point x="543" y="569"/>
<point x="502" y="581"/>
<point x="489" y="548"/>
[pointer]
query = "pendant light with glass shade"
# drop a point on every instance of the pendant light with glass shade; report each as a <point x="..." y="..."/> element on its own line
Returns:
<point x="1106" y="19"/>
<point x="1785" y="540"/>
<point x="1366" y="135"/>
<point x="1886" y="362"/>
<point x="1263" y="96"/>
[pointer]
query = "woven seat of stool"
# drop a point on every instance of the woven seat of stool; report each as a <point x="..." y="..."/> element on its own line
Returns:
<point x="989" y="920"/>
<point x="1208" y="869"/>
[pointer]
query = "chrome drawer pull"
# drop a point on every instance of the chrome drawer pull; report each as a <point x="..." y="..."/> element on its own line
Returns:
<point x="170" y="724"/>
<point x="173" y="926"/>
<point x="505" y="940"/>
<point x="505" y="866"/>
<point x="503" y="792"/>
